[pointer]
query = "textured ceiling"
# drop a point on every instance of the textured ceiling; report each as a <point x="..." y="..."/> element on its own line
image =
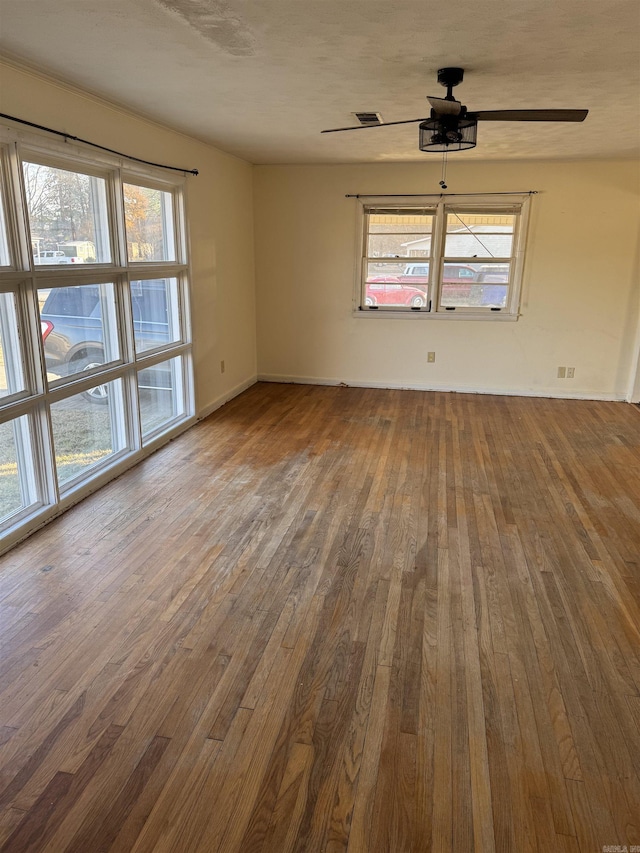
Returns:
<point x="262" y="78"/>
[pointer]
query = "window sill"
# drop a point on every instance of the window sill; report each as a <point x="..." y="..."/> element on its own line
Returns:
<point x="489" y="316"/>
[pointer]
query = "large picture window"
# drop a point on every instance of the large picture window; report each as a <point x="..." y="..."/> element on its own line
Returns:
<point x="95" y="346"/>
<point x="446" y="257"/>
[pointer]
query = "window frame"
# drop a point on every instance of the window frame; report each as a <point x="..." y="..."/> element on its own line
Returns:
<point x="176" y="308"/>
<point x="39" y="157"/>
<point x="12" y="335"/>
<point x="178" y="223"/>
<point x="25" y="458"/>
<point x="516" y="204"/>
<point x="23" y="278"/>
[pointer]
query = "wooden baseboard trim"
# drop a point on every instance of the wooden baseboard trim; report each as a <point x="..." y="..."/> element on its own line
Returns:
<point x="460" y="389"/>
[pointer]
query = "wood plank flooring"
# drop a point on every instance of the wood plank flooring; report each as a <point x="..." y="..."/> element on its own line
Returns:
<point x="336" y="619"/>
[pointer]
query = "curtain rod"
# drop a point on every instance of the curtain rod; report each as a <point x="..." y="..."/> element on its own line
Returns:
<point x="432" y="195"/>
<point x="68" y="136"/>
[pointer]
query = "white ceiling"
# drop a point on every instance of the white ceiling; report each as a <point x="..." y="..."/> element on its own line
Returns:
<point x="262" y="78"/>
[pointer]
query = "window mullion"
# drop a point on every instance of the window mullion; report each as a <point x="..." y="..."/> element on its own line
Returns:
<point x="169" y="235"/>
<point x="32" y="347"/>
<point x="11" y="350"/>
<point x="519" y="239"/>
<point x="439" y="236"/>
<point x="104" y="230"/>
<point x="460" y="259"/>
<point x="184" y="311"/>
<point x="132" y="402"/>
<point x="17" y="218"/>
<point x="44" y="453"/>
<point x="117" y="218"/>
<point x="364" y="260"/>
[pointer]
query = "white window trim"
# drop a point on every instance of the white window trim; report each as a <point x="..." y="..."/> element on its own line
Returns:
<point x="179" y="221"/>
<point x="439" y="203"/>
<point x="23" y="278"/>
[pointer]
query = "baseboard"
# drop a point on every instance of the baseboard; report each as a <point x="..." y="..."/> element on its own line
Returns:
<point x="457" y="389"/>
<point x="224" y="398"/>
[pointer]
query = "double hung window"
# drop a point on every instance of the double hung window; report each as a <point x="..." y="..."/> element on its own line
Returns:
<point x="447" y="257"/>
<point x="95" y="346"/>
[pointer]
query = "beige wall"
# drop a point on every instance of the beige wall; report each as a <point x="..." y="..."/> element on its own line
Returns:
<point x="580" y="296"/>
<point x="220" y="209"/>
<point x="581" y="304"/>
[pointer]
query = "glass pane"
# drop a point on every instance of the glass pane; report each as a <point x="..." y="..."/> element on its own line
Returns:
<point x="385" y="271"/>
<point x="399" y="236"/>
<point x="11" y="375"/>
<point x="149" y="224"/>
<point x="161" y="394"/>
<point x="17" y="480"/>
<point x="154" y="304"/>
<point x="67" y="216"/>
<point x="479" y="235"/>
<point x="79" y="328"/>
<point x="495" y="280"/>
<point x="397" y="284"/>
<point x="457" y="286"/>
<point x="87" y="429"/>
<point x="487" y="295"/>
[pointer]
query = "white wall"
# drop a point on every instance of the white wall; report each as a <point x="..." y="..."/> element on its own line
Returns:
<point x="580" y="296"/>
<point x="220" y="209"/>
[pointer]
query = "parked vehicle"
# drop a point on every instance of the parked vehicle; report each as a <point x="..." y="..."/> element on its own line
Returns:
<point x="85" y="250"/>
<point x="394" y="293"/>
<point x="72" y="331"/>
<point x="493" y="272"/>
<point x="456" y="281"/>
<point x="495" y="281"/>
<point x="452" y="272"/>
<point x="411" y="287"/>
<point x="54" y="256"/>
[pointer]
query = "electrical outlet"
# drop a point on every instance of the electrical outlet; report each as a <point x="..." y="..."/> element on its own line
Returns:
<point x="571" y="372"/>
<point x="431" y="357"/>
<point x="562" y="372"/>
<point x="222" y="366"/>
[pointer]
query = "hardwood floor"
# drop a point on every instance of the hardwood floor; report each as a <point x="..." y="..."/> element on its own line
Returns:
<point x="336" y="619"/>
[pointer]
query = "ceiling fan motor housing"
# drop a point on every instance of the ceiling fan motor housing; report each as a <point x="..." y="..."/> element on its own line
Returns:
<point x="448" y="134"/>
<point x="449" y="77"/>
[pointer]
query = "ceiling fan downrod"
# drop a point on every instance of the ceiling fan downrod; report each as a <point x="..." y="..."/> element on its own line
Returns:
<point x="450" y="77"/>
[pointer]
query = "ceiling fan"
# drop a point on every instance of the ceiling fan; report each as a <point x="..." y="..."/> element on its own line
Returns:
<point x="451" y="127"/>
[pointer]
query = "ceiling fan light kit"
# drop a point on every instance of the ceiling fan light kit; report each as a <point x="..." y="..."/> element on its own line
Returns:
<point x="439" y="134"/>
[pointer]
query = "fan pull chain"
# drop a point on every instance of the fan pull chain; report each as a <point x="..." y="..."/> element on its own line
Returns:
<point x="443" y="177"/>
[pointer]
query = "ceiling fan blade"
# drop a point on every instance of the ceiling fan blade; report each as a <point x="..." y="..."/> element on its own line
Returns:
<point x="367" y="126"/>
<point x="444" y="107"/>
<point x="529" y="115"/>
